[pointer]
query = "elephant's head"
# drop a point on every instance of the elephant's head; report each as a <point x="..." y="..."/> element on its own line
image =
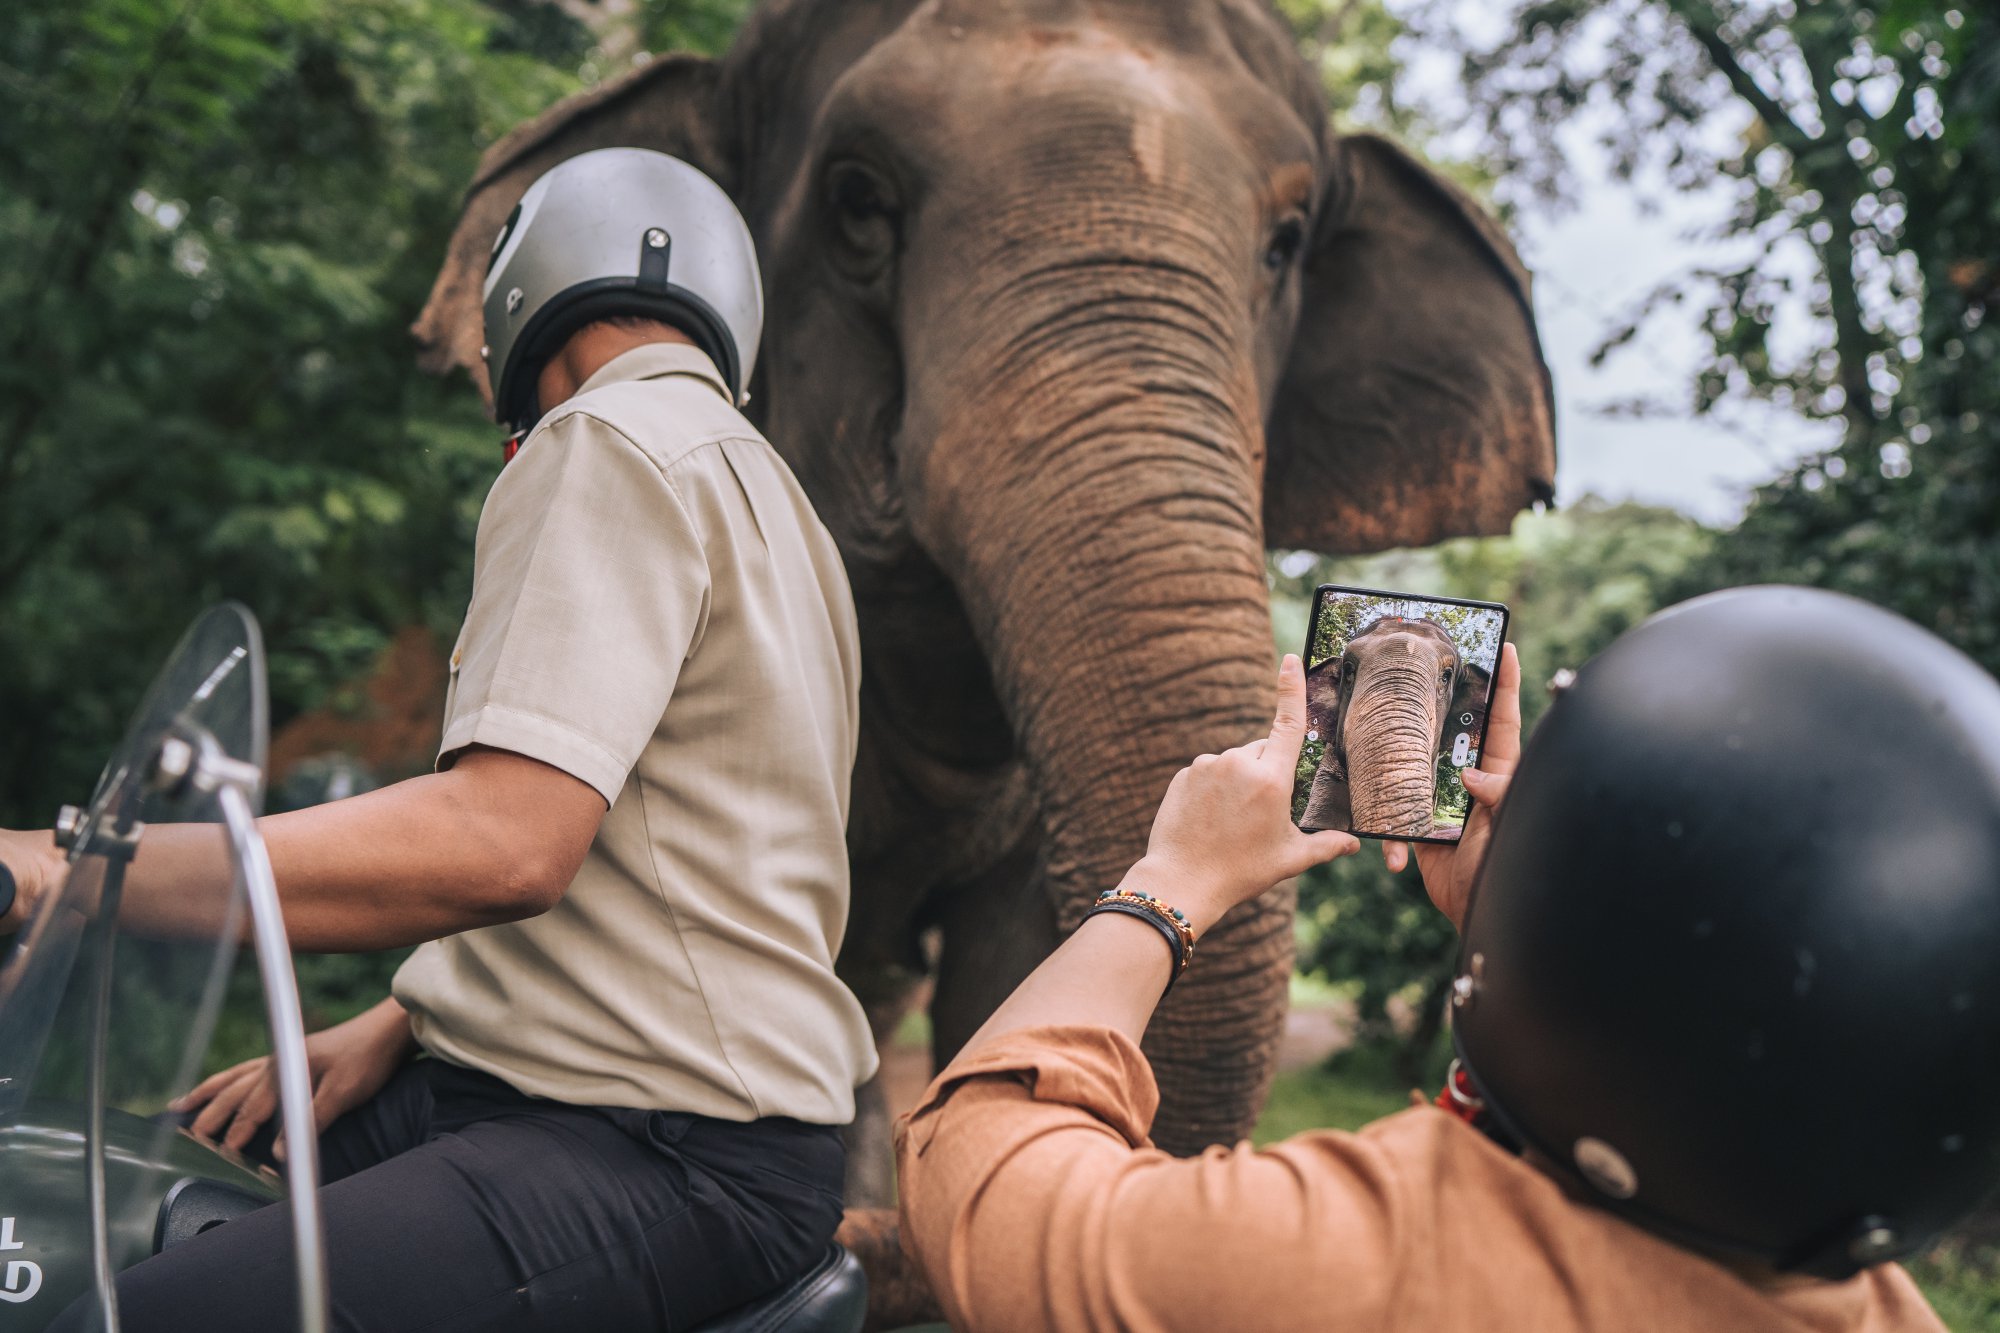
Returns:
<point x="1398" y="679"/>
<point x="1074" y="307"/>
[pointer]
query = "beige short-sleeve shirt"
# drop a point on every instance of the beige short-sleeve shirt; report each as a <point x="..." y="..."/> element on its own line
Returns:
<point x="657" y="610"/>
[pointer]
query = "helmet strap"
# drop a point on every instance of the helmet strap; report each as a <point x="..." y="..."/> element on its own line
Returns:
<point x="1459" y="1098"/>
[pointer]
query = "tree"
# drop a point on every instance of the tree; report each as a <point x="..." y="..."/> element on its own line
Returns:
<point x="1859" y="144"/>
<point x="221" y="216"/>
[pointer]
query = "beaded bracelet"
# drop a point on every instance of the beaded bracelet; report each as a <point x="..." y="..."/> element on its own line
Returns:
<point x="1173" y="927"/>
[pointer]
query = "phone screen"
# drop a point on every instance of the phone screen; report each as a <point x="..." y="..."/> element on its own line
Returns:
<point x="1397" y="687"/>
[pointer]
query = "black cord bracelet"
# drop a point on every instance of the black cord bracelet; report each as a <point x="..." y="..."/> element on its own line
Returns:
<point x="1175" y="944"/>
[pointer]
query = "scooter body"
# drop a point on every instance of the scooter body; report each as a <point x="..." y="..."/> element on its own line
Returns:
<point x="45" y="1240"/>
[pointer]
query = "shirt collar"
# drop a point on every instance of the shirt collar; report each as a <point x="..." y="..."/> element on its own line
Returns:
<point x="658" y="361"/>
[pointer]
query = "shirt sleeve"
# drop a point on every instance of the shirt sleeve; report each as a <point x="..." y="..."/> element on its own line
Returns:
<point x="590" y="589"/>
<point x="1031" y="1198"/>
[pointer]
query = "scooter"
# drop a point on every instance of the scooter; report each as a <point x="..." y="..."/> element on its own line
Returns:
<point x="100" y="1027"/>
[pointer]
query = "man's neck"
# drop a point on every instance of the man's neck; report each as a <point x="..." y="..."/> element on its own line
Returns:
<point x="593" y="347"/>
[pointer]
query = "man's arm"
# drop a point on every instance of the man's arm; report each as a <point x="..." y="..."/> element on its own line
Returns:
<point x="1028" y="1194"/>
<point x="497" y="837"/>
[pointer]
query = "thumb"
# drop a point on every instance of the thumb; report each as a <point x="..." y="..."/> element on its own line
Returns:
<point x="1316" y="849"/>
<point x="1485" y="788"/>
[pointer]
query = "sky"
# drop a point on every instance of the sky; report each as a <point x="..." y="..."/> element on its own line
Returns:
<point x="1613" y="242"/>
<point x="1590" y="265"/>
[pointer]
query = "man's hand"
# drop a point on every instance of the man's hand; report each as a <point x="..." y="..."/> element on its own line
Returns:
<point x="38" y="869"/>
<point x="1449" y="869"/>
<point x="1224" y="833"/>
<point x="349" y="1064"/>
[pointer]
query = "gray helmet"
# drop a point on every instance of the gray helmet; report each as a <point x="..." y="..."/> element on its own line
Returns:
<point x="618" y="231"/>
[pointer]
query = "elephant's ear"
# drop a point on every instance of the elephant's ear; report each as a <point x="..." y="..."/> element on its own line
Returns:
<point x="1415" y="404"/>
<point x="1323" y="697"/>
<point x="668" y="104"/>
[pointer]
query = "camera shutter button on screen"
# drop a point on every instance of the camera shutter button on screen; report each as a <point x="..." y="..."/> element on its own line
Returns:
<point x="1461" y="747"/>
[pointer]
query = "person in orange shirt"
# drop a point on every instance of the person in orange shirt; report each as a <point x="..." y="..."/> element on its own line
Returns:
<point x="1726" y="1018"/>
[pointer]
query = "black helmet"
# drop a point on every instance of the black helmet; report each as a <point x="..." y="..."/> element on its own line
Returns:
<point x="1733" y="963"/>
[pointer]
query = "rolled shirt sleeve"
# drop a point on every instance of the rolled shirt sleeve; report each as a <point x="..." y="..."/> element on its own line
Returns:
<point x="590" y="588"/>
<point x="1031" y="1198"/>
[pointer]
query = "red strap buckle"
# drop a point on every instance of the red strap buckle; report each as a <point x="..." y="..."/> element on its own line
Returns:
<point x="1460" y="1098"/>
<point x="511" y="447"/>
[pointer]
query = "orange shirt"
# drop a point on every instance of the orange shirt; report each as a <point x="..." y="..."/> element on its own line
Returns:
<point x="1032" y="1199"/>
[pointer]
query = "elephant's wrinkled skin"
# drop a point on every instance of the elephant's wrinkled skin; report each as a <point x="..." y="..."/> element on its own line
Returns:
<point x="1388" y="706"/>
<point x="1074" y="306"/>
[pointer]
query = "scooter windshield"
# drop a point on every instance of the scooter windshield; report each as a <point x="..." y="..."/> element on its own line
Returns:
<point x="107" y="1009"/>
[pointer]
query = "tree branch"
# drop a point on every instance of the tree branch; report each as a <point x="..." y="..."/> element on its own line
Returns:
<point x="1704" y="24"/>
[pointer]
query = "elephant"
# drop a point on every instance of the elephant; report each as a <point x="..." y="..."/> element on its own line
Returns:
<point x="1074" y="308"/>
<point x="1389" y="707"/>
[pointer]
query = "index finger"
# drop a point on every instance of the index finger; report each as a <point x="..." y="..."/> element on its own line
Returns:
<point x="1502" y="749"/>
<point x="1288" y="728"/>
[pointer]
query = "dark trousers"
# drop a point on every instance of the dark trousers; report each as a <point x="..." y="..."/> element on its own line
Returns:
<point x="454" y="1202"/>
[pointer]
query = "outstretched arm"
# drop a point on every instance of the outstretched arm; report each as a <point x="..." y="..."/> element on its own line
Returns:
<point x="1030" y="1197"/>
<point x="497" y="837"/>
<point x="1224" y="835"/>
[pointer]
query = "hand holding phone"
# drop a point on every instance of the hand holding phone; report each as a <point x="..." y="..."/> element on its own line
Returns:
<point x="1449" y="869"/>
<point x="1221" y="836"/>
<point x="1398" y="687"/>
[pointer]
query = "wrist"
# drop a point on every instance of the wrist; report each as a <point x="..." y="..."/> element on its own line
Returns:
<point x="1201" y="907"/>
<point x="389" y="1023"/>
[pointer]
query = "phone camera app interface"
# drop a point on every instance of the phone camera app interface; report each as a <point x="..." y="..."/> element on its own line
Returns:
<point x="1396" y="696"/>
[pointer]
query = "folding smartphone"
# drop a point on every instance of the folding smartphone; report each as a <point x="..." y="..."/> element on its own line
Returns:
<point x="1396" y="692"/>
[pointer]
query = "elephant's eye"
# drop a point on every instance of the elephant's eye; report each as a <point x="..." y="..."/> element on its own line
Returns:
<point x="1444" y="676"/>
<point x="866" y="218"/>
<point x="1287" y="239"/>
<point x="1347" y="668"/>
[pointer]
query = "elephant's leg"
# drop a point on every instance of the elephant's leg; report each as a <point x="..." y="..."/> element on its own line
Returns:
<point x="1326" y="802"/>
<point x="871" y="1158"/>
<point x="996" y="930"/>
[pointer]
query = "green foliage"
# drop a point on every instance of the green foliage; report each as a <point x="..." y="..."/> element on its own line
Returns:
<point x="1854" y="279"/>
<point x="1963" y="1284"/>
<point x="690" y="25"/>
<point x="221" y="217"/>
<point x="1574" y="579"/>
<point x="1356" y="1087"/>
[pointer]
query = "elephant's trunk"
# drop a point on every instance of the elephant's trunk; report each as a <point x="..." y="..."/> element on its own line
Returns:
<point x="1390" y="739"/>
<point x="1091" y="486"/>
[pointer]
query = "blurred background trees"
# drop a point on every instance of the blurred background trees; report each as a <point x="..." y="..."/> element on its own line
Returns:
<point x="1852" y="280"/>
<point x="220" y="218"/>
<point x="1859" y="144"/>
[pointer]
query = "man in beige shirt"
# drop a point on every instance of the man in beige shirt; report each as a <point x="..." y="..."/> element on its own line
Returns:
<point x="628" y="875"/>
<point x="1770" y="1019"/>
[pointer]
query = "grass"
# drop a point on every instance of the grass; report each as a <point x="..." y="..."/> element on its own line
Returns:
<point x="1962" y="1279"/>
<point x="1963" y="1283"/>
<point x="1347" y="1092"/>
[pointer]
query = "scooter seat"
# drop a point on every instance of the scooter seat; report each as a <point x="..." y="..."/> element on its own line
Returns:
<point x="831" y="1298"/>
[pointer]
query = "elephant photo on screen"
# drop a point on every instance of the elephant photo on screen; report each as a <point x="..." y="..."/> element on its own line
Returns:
<point x="1384" y="712"/>
<point x="1074" y="307"/>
